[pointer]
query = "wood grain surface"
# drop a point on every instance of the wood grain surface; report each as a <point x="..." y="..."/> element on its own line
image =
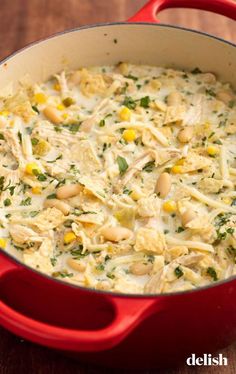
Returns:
<point x="24" y="21"/>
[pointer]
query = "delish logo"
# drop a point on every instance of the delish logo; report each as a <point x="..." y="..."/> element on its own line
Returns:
<point x="207" y="360"/>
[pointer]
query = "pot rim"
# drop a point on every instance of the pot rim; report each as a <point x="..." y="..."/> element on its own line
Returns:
<point x="87" y="289"/>
<point x="96" y="25"/>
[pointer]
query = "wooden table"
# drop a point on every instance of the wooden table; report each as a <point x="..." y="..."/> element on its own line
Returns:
<point x="24" y="21"/>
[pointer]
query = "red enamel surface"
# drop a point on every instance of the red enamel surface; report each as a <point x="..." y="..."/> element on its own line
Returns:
<point x="150" y="10"/>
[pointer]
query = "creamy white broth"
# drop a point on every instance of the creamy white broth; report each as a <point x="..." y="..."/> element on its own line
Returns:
<point x="121" y="178"/>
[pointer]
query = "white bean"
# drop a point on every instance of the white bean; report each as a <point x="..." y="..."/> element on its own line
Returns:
<point x="174" y="98"/>
<point x="76" y="265"/>
<point x="116" y="234"/>
<point x="163" y="185"/>
<point x="225" y="96"/>
<point x="53" y="115"/>
<point x="103" y="285"/>
<point x="69" y="190"/>
<point x="60" y="205"/>
<point x="188" y="216"/>
<point x="208" y="78"/>
<point x="185" y="134"/>
<point x="140" y="268"/>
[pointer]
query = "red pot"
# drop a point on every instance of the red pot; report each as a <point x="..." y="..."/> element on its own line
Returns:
<point x="107" y="328"/>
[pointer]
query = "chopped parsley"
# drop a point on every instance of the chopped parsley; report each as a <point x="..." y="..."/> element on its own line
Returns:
<point x="129" y="102"/>
<point x="122" y="163"/>
<point x="211" y="271"/>
<point x="178" y="272"/>
<point x="196" y="71"/>
<point x="145" y="101"/>
<point x="26" y="202"/>
<point x="103" y="121"/>
<point x="62" y="274"/>
<point x="52" y="196"/>
<point x="35" y="109"/>
<point x="149" y="166"/>
<point x="73" y="127"/>
<point x="130" y="76"/>
<point x="41" y="177"/>
<point x="7" y="202"/>
<point x="210" y="92"/>
<point x="34" y="141"/>
<point x="100" y="267"/>
<point x="180" y="229"/>
<point x="53" y="261"/>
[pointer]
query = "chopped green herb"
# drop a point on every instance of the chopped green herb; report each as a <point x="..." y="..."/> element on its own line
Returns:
<point x="178" y="272"/>
<point x="2" y="181"/>
<point x="7" y="202"/>
<point x="233" y="202"/>
<point x="126" y="191"/>
<point x="62" y="274"/>
<point x="34" y="141"/>
<point x="231" y="104"/>
<point x="110" y="275"/>
<point x="34" y="213"/>
<point x="26" y="202"/>
<point x="41" y="177"/>
<point x="211" y="271"/>
<point x="218" y="141"/>
<point x="100" y="267"/>
<point x="35" y="109"/>
<point x="53" y="261"/>
<point x="58" y="158"/>
<point x="73" y="127"/>
<point x="145" y="101"/>
<point x="180" y="229"/>
<point x="130" y="76"/>
<point x="129" y="102"/>
<point x="19" y="136"/>
<point x="196" y="71"/>
<point x="122" y="163"/>
<point x="103" y="121"/>
<point x="210" y="92"/>
<point x="1" y="137"/>
<point x="149" y="166"/>
<point x="52" y="196"/>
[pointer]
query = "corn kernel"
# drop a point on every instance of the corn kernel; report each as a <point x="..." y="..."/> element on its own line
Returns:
<point x="41" y="148"/>
<point x="125" y="114"/>
<point x="180" y="162"/>
<point x="207" y="125"/>
<point x="37" y="190"/>
<point x="4" y="113"/>
<point x="135" y="195"/>
<point x="32" y="168"/>
<point x="40" y="98"/>
<point x="3" y="243"/>
<point x="129" y="135"/>
<point x="57" y="87"/>
<point x="227" y="200"/>
<point x="176" y="169"/>
<point x="169" y="206"/>
<point x="69" y="237"/>
<point x="60" y="107"/>
<point x="212" y="150"/>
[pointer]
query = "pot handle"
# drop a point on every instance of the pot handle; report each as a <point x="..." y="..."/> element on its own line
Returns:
<point x="150" y="10"/>
<point x="127" y="314"/>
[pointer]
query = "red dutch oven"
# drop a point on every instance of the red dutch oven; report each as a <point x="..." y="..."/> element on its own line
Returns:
<point x="129" y="331"/>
